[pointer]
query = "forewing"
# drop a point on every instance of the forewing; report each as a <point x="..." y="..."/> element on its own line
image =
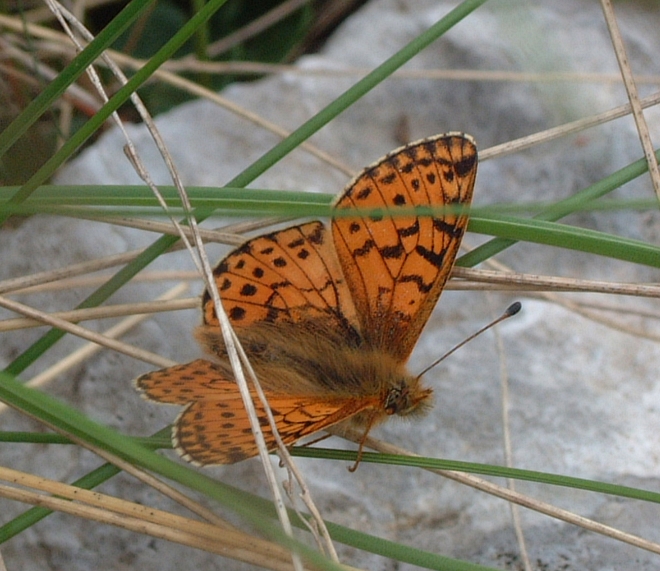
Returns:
<point x="397" y="266"/>
<point x="214" y="427"/>
<point x="289" y="275"/>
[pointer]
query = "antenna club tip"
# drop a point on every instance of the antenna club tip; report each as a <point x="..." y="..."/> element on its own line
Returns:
<point x="513" y="309"/>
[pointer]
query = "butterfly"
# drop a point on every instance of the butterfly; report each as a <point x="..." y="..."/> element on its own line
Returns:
<point x="328" y="319"/>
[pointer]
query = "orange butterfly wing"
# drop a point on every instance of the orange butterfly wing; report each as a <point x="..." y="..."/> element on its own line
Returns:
<point x="214" y="427"/>
<point x="396" y="267"/>
<point x="288" y="275"/>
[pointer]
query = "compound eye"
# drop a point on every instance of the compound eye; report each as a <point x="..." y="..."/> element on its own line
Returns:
<point x="394" y="399"/>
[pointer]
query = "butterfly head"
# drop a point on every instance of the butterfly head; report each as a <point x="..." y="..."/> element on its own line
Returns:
<point x="406" y="397"/>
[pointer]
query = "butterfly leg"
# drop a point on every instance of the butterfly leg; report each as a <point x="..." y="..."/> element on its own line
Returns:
<point x="361" y="444"/>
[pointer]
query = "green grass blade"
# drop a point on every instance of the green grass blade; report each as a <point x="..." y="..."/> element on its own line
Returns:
<point x="483" y="469"/>
<point x="562" y="208"/>
<point x="122" y="95"/>
<point x="366" y="84"/>
<point x="70" y="73"/>
<point x="569" y="237"/>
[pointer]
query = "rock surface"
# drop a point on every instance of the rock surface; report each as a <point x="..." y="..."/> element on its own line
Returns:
<point x="583" y="398"/>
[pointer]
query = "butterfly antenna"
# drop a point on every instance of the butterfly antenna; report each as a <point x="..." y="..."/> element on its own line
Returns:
<point x="510" y="312"/>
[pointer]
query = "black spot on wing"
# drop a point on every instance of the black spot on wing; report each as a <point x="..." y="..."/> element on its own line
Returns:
<point x="465" y="165"/>
<point x="450" y="229"/>
<point x="364" y="249"/>
<point x="389" y="252"/>
<point x="317" y="236"/>
<point x="411" y="230"/>
<point x="422" y="286"/>
<point x="436" y="259"/>
<point x="364" y="193"/>
<point x="248" y="290"/>
<point x="388" y="179"/>
<point x="236" y="313"/>
<point x="296" y="243"/>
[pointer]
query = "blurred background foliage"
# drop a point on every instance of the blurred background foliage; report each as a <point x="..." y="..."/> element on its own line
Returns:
<point x="268" y="31"/>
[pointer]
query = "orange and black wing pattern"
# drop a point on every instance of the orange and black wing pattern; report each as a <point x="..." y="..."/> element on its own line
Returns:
<point x="288" y="275"/>
<point x="214" y="427"/>
<point x="396" y="266"/>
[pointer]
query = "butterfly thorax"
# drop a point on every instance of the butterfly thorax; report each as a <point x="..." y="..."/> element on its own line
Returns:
<point x="309" y="359"/>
